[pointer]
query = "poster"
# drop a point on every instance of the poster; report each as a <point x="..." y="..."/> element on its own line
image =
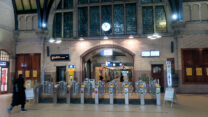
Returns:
<point x="198" y="71"/>
<point x="4" y="79"/>
<point x="207" y="71"/>
<point x="27" y="73"/>
<point x="29" y="93"/>
<point x="35" y="73"/>
<point x="19" y="72"/>
<point x="189" y="71"/>
<point x="28" y="84"/>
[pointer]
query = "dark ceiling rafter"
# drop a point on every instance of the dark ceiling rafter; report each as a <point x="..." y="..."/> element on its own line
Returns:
<point x="30" y="4"/>
<point x="39" y="14"/>
<point x="15" y="14"/>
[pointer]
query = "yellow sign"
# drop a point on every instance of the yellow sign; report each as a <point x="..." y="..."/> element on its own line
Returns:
<point x="198" y="71"/>
<point x="35" y="73"/>
<point x="28" y="84"/>
<point x="71" y="73"/>
<point x="189" y="71"/>
<point x="71" y="69"/>
<point x="207" y="71"/>
<point x="19" y="72"/>
<point x="27" y="73"/>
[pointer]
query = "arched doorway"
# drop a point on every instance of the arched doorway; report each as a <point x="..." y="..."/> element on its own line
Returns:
<point x="4" y="71"/>
<point x="109" y="61"/>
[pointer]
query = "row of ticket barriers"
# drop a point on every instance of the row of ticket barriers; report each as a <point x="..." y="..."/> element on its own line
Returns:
<point x="98" y="90"/>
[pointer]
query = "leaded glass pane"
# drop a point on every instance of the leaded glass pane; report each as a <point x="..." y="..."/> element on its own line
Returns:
<point x="60" y="4"/>
<point x="106" y="0"/>
<point x="118" y="19"/>
<point x="57" y="25"/>
<point x="94" y="21"/>
<point x="19" y="5"/>
<point x="157" y="0"/>
<point x="107" y="17"/>
<point x="160" y="18"/>
<point x="68" y="25"/>
<point x="94" y="1"/>
<point x="83" y="21"/>
<point x="33" y="4"/>
<point x="131" y="22"/>
<point x="68" y="4"/>
<point x="147" y="18"/>
<point x="42" y="3"/>
<point x="26" y="4"/>
<point x="83" y="1"/>
<point x="146" y="1"/>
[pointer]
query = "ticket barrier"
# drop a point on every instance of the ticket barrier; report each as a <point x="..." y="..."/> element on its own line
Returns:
<point x="99" y="90"/>
<point x="127" y="88"/>
<point x="75" y="88"/>
<point x="55" y="93"/>
<point x="47" y="88"/>
<point x="88" y="87"/>
<point x="111" y="87"/>
<point x="82" y="91"/>
<point x="155" y="91"/>
<point x="69" y="92"/>
<point x="141" y="90"/>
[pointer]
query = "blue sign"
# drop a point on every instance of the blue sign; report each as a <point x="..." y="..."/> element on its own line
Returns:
<point x="71" y="66"/>
<point x="4" y="64"/>
<point x="60" y="57"/>
<point x="106" y="52"/>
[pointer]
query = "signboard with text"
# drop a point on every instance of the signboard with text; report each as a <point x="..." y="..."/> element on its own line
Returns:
<point x="60" y="57"/>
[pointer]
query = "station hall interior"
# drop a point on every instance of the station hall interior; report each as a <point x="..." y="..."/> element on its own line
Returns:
<point x="105" y="57"/>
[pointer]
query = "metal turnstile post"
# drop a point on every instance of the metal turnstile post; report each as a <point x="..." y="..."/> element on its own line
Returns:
<point x="111" y="95"/>
<point x="82" y="91"/>
<point x="68" y="100"/>
<point x="158" y="97"/>
<point x="96" y="95"/>
<point x="126" y="91"/>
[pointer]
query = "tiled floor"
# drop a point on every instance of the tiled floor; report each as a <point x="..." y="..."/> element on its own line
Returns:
<point x="187" y="106"/>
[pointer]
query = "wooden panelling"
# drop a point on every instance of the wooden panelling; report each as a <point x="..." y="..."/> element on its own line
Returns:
<point x="28" y="64"/>
<point x="194" y="64"/>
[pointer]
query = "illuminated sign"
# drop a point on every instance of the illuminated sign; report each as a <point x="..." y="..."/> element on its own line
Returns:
<point x="150" y="53"/>
<point x="60" y="57"/>
<point x="4" y="64"/>
<point x="169" y="74"/>
<point x="71" y="66"/>
<point x="106" y="52"/>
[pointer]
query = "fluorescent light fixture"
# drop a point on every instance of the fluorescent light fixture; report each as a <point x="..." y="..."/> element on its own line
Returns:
<point x="131" y="36"/>
<point x="154" y="36"/>
<point x="81" y="38"/>
<point x="106" y="52"/>
<point x="105" y="37"/>
<point x="58" y="41"/>
<point x="51" y="40"/>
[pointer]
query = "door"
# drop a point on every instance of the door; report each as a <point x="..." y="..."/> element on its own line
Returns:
<point x="60" y="73"/>
<point x="158" y="73"/>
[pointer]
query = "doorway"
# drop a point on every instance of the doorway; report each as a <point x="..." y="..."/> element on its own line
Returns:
<point x="60" y="73"/>
<point x="157" y="72"/>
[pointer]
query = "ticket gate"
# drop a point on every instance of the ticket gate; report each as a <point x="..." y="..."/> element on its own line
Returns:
<point x="141" y="90"/>
<point x="126" y="89"/>
<point x="75" y="88"/>
<point x="88" y="87"/>
<point x="155" y="91"/>
<point x="111" y="86"/>
<point x="99" y="90"/>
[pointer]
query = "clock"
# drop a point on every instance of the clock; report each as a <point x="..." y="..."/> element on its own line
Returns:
<point x="106" y="26"/>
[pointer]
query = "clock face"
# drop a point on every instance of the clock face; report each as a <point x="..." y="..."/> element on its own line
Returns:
<point x="106" y="26"/>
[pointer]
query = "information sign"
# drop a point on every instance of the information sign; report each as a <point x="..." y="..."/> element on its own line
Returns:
<point x="29" y="93"/>
<point x="169" y="94"/>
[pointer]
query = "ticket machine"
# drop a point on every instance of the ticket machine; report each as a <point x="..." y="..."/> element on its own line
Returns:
<point x="141" y="90"/>
<point x="71" y="70"/>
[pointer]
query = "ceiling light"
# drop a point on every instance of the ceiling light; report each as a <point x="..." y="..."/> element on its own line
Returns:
<point x="51" y="40"/>
<point x="58" y="41"/>
<point x="105" y="37"/>
<point x="44" y="25"/>
<point x="81" y="38"/>
<point x="174" y="16"/>
<point x="154" y="36"/>
<point x="131" y="36"/>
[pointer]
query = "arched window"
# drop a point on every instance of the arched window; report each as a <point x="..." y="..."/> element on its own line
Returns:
<point x="4" y="56"/>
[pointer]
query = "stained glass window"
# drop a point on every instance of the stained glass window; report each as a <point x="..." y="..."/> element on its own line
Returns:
<point x="131" y="22"/>
<point x="146" y="1"/>
<point x="94" y="1"/>
<point x="107" y="17"/>
<point x="68" y="4"/>
<point x="83" y="1"/>
<point x="33" y="4"/>
<point x="4" y="56"/>
<point x="147" y="19"/>
<point x="83" y="21"/>
<point x="160" y="18"/>
<point x="68" y="25"/>
<point x="19" y="5"/>
<point x="94" y="21"/>
<point x="57" y="25"/>
<point x="60" y="4"/>
<point x="26" y="4"/>
<point x="42" y="3"/>
<point x="118" y="20"/>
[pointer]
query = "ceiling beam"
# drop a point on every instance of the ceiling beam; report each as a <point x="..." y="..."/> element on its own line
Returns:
<point x="15" y="14"/>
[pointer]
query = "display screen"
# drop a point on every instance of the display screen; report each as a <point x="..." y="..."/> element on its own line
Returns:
<point x="106" y="52"/>
<point x="150" y="53"/>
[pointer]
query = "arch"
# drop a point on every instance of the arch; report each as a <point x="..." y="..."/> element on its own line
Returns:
<point x="186" y="13"/>
<point x="87" y="52"/>
<point x="195" y="12"/>
<point x="107" y="46"/>
<point x="204" y="11"/>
